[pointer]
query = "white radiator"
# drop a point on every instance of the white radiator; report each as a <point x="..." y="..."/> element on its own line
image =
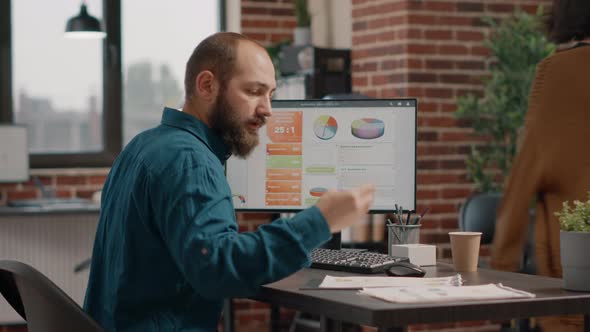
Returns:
<point x="51" y="243"/>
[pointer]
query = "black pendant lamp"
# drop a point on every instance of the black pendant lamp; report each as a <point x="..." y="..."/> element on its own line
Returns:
<point x="84" y="26"/>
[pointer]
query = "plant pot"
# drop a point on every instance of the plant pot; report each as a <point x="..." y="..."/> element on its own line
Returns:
<point x="574" y="248"/>
<point x="302" y="36"/>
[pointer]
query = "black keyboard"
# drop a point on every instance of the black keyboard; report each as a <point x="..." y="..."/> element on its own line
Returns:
<point x="352" y="260"/>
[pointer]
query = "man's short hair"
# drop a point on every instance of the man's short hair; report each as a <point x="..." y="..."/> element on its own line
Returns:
<point x="216" y="53"/>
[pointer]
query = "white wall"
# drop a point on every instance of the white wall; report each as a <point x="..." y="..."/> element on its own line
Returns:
<point x="331" y="23"/>
<point x="233" y="15"/>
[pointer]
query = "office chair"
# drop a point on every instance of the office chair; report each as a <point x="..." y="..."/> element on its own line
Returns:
<point x="478" y="214"/>
<point x="40" y="302"/>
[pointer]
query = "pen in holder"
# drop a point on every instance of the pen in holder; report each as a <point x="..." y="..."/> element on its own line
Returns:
<point x="402" y="234"/>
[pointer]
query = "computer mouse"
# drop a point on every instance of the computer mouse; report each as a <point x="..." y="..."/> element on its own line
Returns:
<point x="405" y="269"/>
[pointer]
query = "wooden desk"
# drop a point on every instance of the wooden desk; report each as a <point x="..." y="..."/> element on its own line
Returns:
<point x="337" y="306"/>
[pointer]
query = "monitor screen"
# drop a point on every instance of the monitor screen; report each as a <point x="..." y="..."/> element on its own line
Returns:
<point x="310" y="146"/>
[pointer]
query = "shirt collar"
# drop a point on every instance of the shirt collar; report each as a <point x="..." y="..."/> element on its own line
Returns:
<point x="181" y="120"/>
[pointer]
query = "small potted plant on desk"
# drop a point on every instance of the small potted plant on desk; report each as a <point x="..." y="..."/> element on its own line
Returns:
<point x="575" y="245"/>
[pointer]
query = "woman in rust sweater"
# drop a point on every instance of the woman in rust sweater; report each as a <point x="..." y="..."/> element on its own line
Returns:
<point x="553" y="163"/>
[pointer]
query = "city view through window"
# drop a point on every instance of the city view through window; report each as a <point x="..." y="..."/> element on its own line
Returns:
<point x="57" y="82"/>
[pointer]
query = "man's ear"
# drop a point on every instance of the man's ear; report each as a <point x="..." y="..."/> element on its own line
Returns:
<point x="206" y="85"/>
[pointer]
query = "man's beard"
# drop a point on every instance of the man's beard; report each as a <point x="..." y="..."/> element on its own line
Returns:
<point x="232" y="129"/>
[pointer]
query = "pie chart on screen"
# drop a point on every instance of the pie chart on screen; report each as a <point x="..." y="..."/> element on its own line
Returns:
<point x="367" y="128"/>
<point x="325" y="127"/>
<point x="317" y="191"/>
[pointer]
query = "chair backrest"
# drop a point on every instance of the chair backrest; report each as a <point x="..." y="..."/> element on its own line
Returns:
<point x="40" y="302"/>
<point x="478" y="214"/>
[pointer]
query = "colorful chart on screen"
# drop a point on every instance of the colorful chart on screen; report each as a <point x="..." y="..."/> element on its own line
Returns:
<point x="367" y="128"/>
<point x="325" y="127"/>
<point x="317" y="191"/>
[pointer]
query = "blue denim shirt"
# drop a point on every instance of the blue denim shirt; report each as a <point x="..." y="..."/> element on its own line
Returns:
<point x="167" y="248"/>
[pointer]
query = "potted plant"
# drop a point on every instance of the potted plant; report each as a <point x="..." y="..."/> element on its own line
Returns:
<point x="575" y="244"/>
<point x="517" y="45"/>
<point x="302" y="33"/>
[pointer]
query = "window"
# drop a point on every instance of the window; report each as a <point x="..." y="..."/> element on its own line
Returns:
<point x="56" y="82"/>
<point x="82" y="100"/>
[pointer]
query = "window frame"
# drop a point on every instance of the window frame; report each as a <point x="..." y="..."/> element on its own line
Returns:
<point x="112" y="109"/>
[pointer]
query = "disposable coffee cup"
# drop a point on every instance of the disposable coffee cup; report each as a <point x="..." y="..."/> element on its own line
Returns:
<point x="465" y="250"/>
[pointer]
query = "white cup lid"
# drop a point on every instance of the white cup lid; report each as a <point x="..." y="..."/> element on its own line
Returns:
<point x="464" y="233"/>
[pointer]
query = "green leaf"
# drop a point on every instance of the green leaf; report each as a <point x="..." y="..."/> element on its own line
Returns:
<point x="576" y="219"/>
<point x="517" y="45"/>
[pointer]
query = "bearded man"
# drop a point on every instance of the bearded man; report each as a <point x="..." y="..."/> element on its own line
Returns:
<point x="167" y="248"/>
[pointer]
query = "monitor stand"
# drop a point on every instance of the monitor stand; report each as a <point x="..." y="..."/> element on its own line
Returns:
<point x="335" y="242"/>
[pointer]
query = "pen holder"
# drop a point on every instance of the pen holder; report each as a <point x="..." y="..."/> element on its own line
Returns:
<point x="402" y="234"/>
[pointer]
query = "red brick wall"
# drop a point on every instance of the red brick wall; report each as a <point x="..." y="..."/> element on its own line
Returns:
<point x="268" y="21"/>
<point x="66" y="183"/>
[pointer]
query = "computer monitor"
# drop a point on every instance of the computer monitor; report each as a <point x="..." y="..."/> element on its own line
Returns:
<point x="14" y="154"/>
<point x="310" y="146"/>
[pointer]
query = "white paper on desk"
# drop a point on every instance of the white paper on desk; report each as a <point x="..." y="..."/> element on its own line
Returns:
<point x="332" y="282"/>
<point x="446" y="293"/>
